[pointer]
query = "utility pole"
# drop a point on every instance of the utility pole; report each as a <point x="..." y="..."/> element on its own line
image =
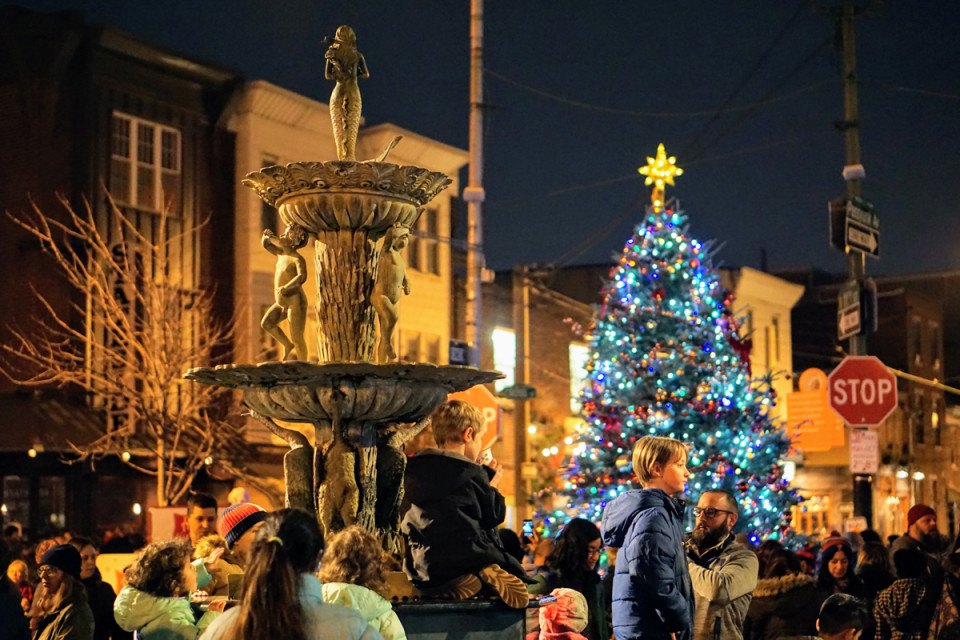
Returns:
<point x="853" y="173"/>
<point x="473" y="194"/>
<point x="521" y="411"/>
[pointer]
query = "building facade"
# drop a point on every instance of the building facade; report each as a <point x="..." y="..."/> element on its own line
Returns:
<point x="87" y="109"/>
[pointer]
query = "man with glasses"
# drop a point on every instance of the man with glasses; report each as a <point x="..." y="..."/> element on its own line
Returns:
<point x="723" y="571"/>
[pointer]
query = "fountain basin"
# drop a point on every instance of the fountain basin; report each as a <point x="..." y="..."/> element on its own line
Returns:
<point x="339" y="195"/>
<point x="374" y="394"/>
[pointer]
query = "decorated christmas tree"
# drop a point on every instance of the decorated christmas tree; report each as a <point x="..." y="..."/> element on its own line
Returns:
<point x="668" y="359"/>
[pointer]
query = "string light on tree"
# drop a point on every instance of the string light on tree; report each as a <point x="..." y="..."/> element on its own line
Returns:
<point x="667" y="359"/>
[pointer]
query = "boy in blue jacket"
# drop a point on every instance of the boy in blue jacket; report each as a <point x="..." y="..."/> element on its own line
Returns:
<point x="652" y="593"/>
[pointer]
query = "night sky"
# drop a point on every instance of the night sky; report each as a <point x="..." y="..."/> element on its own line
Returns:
<point x="579" y="93"/>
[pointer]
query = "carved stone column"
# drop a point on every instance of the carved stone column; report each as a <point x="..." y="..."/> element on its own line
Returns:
<point x="346" y="271"/>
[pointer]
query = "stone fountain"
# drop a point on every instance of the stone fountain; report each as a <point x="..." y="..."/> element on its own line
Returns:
<point x="361" y="412"/>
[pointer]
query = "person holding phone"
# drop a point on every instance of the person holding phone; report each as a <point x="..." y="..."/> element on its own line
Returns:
<point x="573" y="565"/>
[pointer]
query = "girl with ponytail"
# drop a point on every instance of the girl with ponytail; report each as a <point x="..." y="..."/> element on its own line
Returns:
<point x="282" y="598"/>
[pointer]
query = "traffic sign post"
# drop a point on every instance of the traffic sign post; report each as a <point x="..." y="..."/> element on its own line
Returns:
<point x="862" y="391"/>
<point x="848" y="311"/>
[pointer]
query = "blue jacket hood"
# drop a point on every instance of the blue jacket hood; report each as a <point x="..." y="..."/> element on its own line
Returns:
<point x="621" y="513"/>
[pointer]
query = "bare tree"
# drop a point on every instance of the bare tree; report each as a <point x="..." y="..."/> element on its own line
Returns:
<point x="144" y="326"/>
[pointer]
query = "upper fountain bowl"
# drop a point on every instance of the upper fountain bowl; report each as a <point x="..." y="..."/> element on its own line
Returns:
<point x="339" y="195"/>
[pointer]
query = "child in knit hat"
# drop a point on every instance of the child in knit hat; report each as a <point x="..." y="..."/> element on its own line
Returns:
<point x="562" y="619"/>
<point x="238" y="524"/>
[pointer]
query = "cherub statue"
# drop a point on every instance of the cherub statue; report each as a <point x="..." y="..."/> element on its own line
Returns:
<point x="391" y="280"/>
<point x="289" y="299"/>
<point x="345" y="65"/>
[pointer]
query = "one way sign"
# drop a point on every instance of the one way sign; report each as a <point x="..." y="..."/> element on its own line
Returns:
<point x="862" y="238"/>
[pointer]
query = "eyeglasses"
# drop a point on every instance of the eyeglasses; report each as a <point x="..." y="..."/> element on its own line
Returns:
<point x="46" y="570"/>
<point x="594" y="552"/>
<point x="709" y="512"/>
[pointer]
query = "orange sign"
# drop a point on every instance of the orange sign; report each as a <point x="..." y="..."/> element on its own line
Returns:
<point x="811" y="423"/>
<point x="480" y="397"/>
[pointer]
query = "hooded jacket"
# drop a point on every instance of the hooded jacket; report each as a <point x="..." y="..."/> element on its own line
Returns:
<point x="723" y="578"/>
<point x="783" y="607"/>
<point x="72" y="618"/>
<point x="452" y="519"/>
<point x="897" y="610"/>
<point x="155" y="618"/>
<point x="652" y="594"/>
<point x="371" y="605"/>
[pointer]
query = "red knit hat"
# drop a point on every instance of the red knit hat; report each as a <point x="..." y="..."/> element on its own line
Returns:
<point x="237" y="520"/>
<point x="835" y="539"/>
<point x="918" y="511"/>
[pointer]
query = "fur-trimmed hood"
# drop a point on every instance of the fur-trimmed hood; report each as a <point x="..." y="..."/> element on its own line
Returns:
<point x="767" y="587"/>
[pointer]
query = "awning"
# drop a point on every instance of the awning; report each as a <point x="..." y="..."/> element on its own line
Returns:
<point x="49" y="419"/>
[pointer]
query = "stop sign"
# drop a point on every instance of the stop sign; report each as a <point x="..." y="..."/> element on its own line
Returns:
<point x="862" y="390"/>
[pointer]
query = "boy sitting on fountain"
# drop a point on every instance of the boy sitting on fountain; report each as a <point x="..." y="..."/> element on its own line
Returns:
<point x="454" y="511"/>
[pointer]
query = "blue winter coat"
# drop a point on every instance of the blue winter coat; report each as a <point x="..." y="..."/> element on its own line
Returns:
<point x="652" y="593"/>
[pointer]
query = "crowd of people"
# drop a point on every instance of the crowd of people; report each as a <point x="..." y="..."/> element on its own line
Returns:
<point x="246" y="573"/>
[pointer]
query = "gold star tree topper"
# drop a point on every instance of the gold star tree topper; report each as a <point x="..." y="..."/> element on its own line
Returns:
<point x="660" y="171"/>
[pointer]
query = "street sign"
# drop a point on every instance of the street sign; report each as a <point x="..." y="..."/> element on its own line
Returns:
<point x="480" y="397"/>
<point x="856" y="524"/>
<point x="854" y="226"/>
<point x="864" y="451"/>
<point x="459" y="352"/>
<point x="519" y="392"/>
<point x="848" y="311"/>
<point x="862" y="391"/>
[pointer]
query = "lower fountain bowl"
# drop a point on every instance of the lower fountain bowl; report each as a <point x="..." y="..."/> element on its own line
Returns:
<point x="343" y="391"/>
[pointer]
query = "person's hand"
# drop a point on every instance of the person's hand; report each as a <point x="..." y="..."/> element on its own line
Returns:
<point x="215" y="555"/>
<point x="497" y="473"/>
<point x="217" y="606"/>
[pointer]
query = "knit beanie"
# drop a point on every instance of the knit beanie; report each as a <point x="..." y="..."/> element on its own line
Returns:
<point x="237" y="520"/>
<point x="918" y="511"/>
<point x="567" y="614"/>
<point x="64" y="557"/>
<point x="834" y="539"/>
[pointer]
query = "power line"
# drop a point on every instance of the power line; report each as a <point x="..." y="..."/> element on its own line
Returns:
<point x="693" y="156"/>
<point x="745" y="79"/>
<point x="651" y="114"/>
<point x="901" y="89"/>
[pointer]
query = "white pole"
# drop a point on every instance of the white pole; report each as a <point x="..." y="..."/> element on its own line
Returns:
<point x="474" y="194"/>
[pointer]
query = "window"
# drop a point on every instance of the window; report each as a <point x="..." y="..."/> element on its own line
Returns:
<point x="419" y="347"/>
<point x="917" y="417"/>
<point x="268" y="214"/>
<point x="916" y="341"/>
<point x="579" y="356"/>
<point x="935" y="345"/>
<point x="936" y="420"/>
<point x="145" y="164"/>
<point x="504" y="356"/>
<point x="423" y="253"/>
<point x="776" y="339"/>
<point x="767" y="349"/>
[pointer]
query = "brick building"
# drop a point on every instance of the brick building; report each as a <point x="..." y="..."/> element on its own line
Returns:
<point x="85" y="106"/>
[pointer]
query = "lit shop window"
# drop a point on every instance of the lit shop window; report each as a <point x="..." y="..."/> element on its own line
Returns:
<point x="504" y="356"/>
<point x="579" y="355"/>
